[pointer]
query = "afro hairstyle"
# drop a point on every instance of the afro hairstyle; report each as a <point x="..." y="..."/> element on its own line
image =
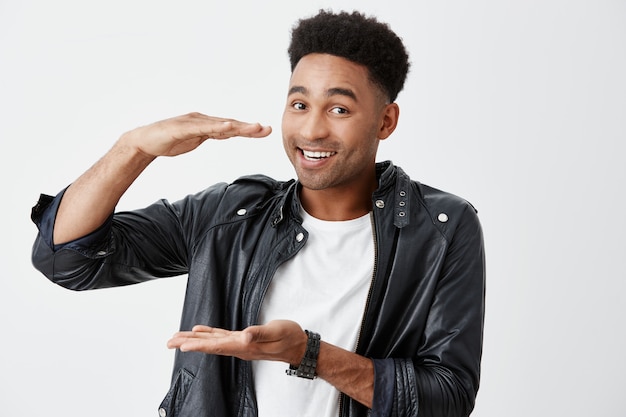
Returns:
<point x="358" y="38"/>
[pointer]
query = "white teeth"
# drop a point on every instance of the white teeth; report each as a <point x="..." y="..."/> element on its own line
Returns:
<point x="316" y="155"/>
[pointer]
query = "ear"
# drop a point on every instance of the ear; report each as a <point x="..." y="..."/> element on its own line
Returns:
<point x="389" y="120"/>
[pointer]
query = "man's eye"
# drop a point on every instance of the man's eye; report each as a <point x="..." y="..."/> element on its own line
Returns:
<point x="299" y="106"/>
<point x="339" y="110"/>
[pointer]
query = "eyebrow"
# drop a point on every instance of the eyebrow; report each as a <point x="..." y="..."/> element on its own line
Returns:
<point x="336" y="91"/>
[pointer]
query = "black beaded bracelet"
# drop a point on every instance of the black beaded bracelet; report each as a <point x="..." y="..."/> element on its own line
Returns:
<point x="308" y="364"/>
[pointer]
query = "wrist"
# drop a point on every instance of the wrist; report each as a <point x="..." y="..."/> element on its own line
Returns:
<point x="308" y="365"/>
<point x="127" y="145"/>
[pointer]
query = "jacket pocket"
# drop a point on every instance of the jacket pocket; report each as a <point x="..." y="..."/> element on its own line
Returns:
<point x="173" y="401"/>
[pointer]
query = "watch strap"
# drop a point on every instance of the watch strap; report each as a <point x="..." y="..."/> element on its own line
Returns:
<point x="308" y="365"/>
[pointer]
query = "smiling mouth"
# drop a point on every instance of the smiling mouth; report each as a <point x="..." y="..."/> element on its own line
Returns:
<point x="316" y="156"/>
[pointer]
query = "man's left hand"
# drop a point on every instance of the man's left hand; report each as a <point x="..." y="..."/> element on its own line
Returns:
<point x="278" y="340"/>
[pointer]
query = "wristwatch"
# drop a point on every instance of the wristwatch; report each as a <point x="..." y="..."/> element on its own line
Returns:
<point x="308" y="365"/>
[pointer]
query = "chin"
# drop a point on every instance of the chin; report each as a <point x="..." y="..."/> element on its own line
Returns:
<point x="314" y="184"/>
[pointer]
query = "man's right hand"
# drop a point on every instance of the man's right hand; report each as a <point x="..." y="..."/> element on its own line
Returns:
<point x="185" y="133"/>
<point x="93" y="196"/>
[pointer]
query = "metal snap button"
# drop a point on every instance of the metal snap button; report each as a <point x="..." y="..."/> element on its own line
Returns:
<point x="241" y="212"/>
<point x="443" y="217"/>
<point x="380" y="203"/>
<point x="300" y="236"/>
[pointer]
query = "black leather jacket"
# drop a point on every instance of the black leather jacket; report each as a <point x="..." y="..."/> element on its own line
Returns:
<point x="423" y="323"/>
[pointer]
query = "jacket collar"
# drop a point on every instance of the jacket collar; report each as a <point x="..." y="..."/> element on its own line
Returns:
<point x="393" y="188"/>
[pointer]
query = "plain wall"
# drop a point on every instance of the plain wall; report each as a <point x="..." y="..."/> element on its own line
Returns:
<point x="517" y="106"/>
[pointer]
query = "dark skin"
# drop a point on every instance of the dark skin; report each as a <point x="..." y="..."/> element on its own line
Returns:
<point x="333" y="121"/>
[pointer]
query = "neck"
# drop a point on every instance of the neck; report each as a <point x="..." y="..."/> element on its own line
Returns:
<point x="338" y="203"/>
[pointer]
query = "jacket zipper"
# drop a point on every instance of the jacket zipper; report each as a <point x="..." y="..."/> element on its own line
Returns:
<point x="367" y="301"/>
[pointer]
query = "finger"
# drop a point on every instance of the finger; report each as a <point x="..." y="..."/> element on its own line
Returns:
<point x="253" y="130"/>
<point x="198" y="126"/>
<point x="250" y="130"/>
<point x="209" y="329"/>
<point x="180" y="339"/>
<point x="202" y="332"/>
<point x="235" y="344"/>
<point x="277" y="329"/>
<point x="198" y="332"/>
<point x="204" y="129"/>
<point x="260" y="334"/>
<point x="176" y="341"/>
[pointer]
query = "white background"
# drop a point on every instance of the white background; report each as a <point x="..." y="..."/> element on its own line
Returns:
<point x="518" y="106"/>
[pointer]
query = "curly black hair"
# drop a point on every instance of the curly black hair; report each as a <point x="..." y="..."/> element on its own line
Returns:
<point x="358" y="38"/>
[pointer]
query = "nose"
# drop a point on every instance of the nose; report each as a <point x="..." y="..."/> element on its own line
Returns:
<point x="314" y="126"/>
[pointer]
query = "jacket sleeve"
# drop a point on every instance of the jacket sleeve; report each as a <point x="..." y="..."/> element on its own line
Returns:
<point x="130" y="247"/>
<point x="443" y="378"/>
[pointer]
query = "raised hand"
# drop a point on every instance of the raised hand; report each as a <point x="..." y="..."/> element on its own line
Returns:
<point x="181" y="134"/>
<point x="93" y="196"/>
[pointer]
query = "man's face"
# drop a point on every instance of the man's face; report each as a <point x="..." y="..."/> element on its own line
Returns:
<point x="331" y="123"/>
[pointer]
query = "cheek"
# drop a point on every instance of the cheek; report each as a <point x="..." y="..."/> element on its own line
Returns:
<point x="361" y="140"/>
<point x="286" y="134"/>
<point x="287" y="126"/>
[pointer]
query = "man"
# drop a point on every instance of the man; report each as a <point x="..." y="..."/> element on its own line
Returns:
<point x="388" y="271"/>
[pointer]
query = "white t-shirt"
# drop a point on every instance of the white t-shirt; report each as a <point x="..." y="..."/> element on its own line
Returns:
<point x="323" y="288"/>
